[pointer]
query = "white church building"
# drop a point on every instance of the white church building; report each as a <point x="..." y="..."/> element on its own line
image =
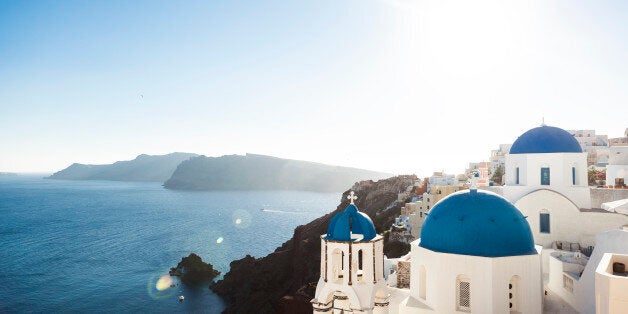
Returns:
<point x="352" y="266"/>
<point x="480" y="252"/>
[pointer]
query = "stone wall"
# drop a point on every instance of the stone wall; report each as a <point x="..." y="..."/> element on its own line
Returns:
<point x="599" y="196"/>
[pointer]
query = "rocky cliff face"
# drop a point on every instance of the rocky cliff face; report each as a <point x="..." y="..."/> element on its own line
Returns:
<point x="284" y="281"/>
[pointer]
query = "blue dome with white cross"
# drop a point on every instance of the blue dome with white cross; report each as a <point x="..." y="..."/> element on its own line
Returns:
<point x="478" y="223"/>
<point x="351" y="225"/>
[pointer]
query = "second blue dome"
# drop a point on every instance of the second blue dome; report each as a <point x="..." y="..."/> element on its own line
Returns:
<point x="477" y="223"/>
<point x="545" y="139"/>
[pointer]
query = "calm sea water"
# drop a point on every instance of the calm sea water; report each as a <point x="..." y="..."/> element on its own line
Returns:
<point x="99" y="246"/>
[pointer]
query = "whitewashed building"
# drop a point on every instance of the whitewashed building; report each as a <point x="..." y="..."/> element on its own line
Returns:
<point x="476" y="254"/>
<point x="441" y="178"/>
<point x="595" y="145"/>
<point x="479" y="252"/>
<point x="498" y="158"/>
<point x="611" y="284"/>
<point x="352" y="266"/>
<point x="546" y="179"/>
<point x="617" y="168"/>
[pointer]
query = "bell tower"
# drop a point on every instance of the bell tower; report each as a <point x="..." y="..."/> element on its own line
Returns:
<point x="352" y="266"/>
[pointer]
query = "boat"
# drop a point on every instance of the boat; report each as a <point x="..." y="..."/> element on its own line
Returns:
<point x="181" y="298"/>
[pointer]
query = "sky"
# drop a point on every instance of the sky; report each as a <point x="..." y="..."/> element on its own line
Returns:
<point x="389" y="85"/>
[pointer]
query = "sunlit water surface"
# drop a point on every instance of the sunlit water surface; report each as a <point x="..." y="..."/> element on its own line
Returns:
<point x="101" y="246"/>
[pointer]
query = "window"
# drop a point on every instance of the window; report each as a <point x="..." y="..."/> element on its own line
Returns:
<point x="360" y="273"/>
<point x="544" y="221"/>
<point x="360" y="260"/>
<point x="517" y="175"/>
<point x="337" y="259"/>
<point x="573" y="175"/>
<point x="342" y="261"/>
<point x="568" y="283"/>
<point x="463" y="294"/>
<point x="513" y="294"/>
<point x="545" y="176"/>
<point x="422" y="282"/>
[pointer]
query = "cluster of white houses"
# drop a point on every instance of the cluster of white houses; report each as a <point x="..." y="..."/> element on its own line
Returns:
<point x="545" y="242"/>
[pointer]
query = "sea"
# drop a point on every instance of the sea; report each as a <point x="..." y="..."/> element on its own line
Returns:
<point x="107" y="246"/>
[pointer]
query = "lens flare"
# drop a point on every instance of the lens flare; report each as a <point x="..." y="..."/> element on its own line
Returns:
<point x="158" y="284"/>
<point x="219" y="240"/>
<point x="241" y="218"/>
<point x="163" y="283"/>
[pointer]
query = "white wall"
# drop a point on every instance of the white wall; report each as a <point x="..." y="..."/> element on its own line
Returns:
<point x="360" y="293"/>
<point x="618" y="155"/>
<point x="616" y="171"/>
<point x="611" y="292"/>
<point x="614" y="241"/>
<point x="567" y="222"/>
<point x="560" y="165"/>
<point x="489" y="282"/>
<point x="556" y="269"/>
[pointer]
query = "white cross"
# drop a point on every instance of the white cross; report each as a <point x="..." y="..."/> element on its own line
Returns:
<point x="352" y="197"/>
<point x="473" y="183"/>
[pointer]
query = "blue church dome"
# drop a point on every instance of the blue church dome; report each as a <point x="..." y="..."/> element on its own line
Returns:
<point x="477" y="223"/>
<point x="545" y="139"/>
<point x="349" y="224"/>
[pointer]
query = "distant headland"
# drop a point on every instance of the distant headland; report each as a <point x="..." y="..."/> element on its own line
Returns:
<point x="157" y="168"/>
<point x="187" y="171"/>
<point x="259" y="172"/>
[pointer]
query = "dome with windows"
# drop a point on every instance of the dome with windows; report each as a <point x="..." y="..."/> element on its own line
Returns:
<point x="478" y="223"/>
<point x="351" y="225"/>
<point x="545" y="139"/>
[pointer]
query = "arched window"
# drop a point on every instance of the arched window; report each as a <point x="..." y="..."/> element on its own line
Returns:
<point x="544" y="221"/>
<point x="360" y="272"/>
<point x="463" y="293"/>
<point x="517" y="175"/>
<point x="513" y="294"/>
<point x="360" y="260"/>
<point x="342" y="260"/>
<point x="573" y="175"/>
<point x="337" y="260"/>
<point x="422" y="282"/>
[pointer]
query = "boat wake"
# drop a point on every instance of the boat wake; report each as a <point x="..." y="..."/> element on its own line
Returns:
<point x="281" y="211"/>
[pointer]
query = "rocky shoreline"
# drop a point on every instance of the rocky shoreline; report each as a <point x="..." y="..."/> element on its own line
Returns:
<point x="284" y="281"/>
<point x="193" y="271"/>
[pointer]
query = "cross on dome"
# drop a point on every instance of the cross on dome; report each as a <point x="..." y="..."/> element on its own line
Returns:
<point x="352" y="197"/>
<point x="473" y="183"/>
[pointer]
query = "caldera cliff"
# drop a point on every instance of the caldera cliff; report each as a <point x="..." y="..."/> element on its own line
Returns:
<point x="259" y="172"/>
<point x="284" y="281"/>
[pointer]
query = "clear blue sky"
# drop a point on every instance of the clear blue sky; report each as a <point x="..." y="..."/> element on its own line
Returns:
<point x="398" y="86"/>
